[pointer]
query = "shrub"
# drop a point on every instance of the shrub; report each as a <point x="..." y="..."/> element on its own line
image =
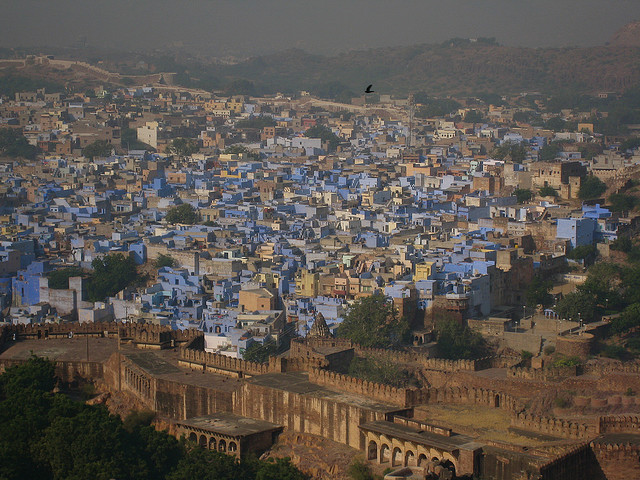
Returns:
<point x="549" y="350"/>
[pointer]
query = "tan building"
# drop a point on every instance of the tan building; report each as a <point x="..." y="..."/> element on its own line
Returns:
<point x="257" y="299"/>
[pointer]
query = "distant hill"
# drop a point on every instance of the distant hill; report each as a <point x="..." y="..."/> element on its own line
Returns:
<point x="456" y="67"/>
<point x="627" y="36"/>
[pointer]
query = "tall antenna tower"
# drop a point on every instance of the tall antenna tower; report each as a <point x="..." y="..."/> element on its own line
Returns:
<point x="411" y="108"/>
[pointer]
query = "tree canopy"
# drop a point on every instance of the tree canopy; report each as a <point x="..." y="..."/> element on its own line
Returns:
<point x="257" y="352"/>
<point x="14" y="144"/>
<point x="523" y="194"/>
<point x="59" y="279"/>
<point x="373" y="322"/>
<point x="325" y="134"/>
<point x="548" y="191"/>
<point x="49" y="436"/>
<point x="515" y="151"/>
<point x="457" y="342"/>
<point x="183" y="147"/>
<point x="591" y="187"/>
<point x="184" y="213"/>
<point x="538" y="292"/>
<point x="111" y="274"/>
<point x="99" y="148"/>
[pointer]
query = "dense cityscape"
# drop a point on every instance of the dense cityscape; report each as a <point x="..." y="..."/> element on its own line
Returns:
<point x="296" y="286"/>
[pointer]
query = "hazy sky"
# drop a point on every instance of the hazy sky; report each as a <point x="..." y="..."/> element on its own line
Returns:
<point x="319" y="26"/>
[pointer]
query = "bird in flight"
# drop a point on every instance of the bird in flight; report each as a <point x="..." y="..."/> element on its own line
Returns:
<point x="368" y="89"/>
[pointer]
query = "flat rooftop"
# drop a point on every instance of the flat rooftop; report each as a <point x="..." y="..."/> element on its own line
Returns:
<point x="229" y="424"/>
<point x="61" y="349"/>
<point x="298" y="382"/>
<point x="410" y="434"/>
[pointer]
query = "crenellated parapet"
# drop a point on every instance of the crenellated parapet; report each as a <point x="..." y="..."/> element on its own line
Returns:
<point x="619" y="424"/>
<point x="555" y="426"/>
<point x="542" y="374"/>
<point x="403" y="397"/>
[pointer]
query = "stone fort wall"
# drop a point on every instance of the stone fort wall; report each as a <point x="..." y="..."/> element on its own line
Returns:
<point x="617" y="461"/>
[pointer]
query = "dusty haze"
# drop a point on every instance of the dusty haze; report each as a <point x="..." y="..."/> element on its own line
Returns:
<point x="248" y="27"/>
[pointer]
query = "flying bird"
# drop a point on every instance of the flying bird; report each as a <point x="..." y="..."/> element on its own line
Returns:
<point x="368" y="90"/>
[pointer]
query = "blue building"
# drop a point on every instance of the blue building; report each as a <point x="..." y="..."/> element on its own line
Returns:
<point x="579" y="231"/>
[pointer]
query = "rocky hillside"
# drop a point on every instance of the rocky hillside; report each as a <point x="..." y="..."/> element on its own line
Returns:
<point x="627" y="36"/>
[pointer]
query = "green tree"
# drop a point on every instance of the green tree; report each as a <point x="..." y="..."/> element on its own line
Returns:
<point x="591" y="187"/>
<point x="59" y="279"/>
<point x="457" y="342"/>
<point x="99" y="148"/>
<point x="575" y="306"/>
<point x="627" y="320"/>
<point x="183" y="147"/>
<point x="325" y="134"/>
<point x="588" y="253"/>
<point x="184" y="213"/>
<point x="514" y="151"/>
<point x="523" y="194"/>
<point x="256" y="122"/>
<point x="381" y="369"/>
<point x="373" y="322"/>
<point x="359" y="470"/>
<point x="556" y="124"/>
<point x="549" y="151"/>
<point x="622" y="202"/>
<point x="164" y="261"/>
<point x="473" y="116"/>
<point x="630" y="144"/>
<point x="111" y="274"/>
<point x="257" y="352"/>
<point x="538" y="292"/>
<point x="280" y="468"/>
<point x="14" y="144"/>
<point x="548" y="191"/>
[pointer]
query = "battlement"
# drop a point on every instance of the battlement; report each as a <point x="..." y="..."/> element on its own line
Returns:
<point x="612" y="367"/>
<point x="142" y="334"/>
<point x="619" y="424"/>
<point x="554" y="426"/>
<point x="403" y="397"/>
<point x="542" y="374"/>
<point x="193" y="356"/>
<point x="471" y="395"/>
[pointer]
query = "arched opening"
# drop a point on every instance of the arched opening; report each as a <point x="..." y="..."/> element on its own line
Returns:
<point x="496" y="401"/>
<point x="212" y="443"/>
<point x="193" y="437"/>
<point x="222" y="446"/>
<point x="203" y="441"/>
<point x="385" y="453"/>
<point x="396" y="460"/>
<point x="233" y="447"/>
<point x="448" y="464"/>
<point x="372" y="451"/>
<point x="422" y="460"/>
<point x="409" y="459"/>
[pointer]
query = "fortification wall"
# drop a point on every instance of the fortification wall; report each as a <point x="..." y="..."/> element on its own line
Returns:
<point x="620" y="424"/>
<point x="542" y="374"/>
<point x="201" y="360"/>
<point x="68" y="372"/>
<point x="324" y="417"/>
<point x="575" y="345"/>
<point x="617" y="461"/>
<point x="402" y="397"/>
<point x="614" y="366"/>
<point x="471" y="396"/>
<point x="576" y="463"/>
<point x="215" y="362"/>
<point x="555" y="427"/>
